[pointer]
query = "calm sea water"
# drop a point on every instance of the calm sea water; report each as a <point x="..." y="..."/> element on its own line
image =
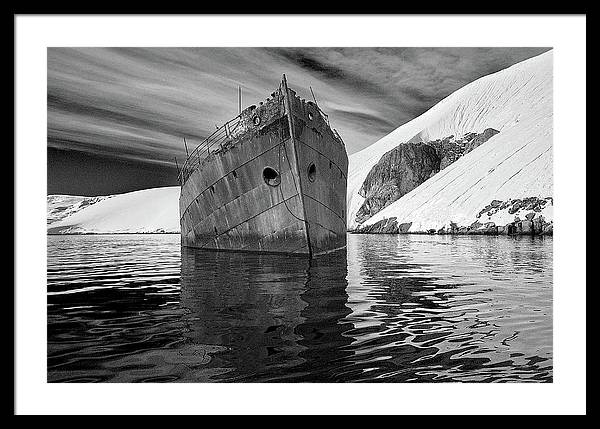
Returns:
<point x="407" y="308"/>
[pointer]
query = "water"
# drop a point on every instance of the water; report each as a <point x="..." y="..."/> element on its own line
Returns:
<point x="406" y="308"/>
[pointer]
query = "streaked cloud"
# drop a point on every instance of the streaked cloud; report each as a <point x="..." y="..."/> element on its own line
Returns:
<point x="139" y="103"/>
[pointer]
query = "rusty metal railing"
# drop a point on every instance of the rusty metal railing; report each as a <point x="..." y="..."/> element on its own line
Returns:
<point x="337" y="136"/>
<point x="226" y="132"/>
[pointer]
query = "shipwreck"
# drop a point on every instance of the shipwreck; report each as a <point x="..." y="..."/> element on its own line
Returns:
<point x="273" y="179"/>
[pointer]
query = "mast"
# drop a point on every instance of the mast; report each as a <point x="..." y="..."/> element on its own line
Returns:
<point x="314" y="98"/>
<point x="178" y="171"/>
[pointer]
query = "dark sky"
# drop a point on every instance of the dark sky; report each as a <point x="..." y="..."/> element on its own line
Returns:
<point x="117" y="116"/>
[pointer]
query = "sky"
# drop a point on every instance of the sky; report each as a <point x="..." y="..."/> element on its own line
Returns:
<point x="117" y="116"/>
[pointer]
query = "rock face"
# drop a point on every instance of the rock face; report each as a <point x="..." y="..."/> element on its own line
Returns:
<point x="398" y="172"/>
<point x="408" y="165"/>
<point x="450" y="148"/>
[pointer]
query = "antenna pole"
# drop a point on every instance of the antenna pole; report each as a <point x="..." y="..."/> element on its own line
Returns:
<point x="239" y="99"/>
<point x="178" y="171"/>
<point x="186" y="149"/>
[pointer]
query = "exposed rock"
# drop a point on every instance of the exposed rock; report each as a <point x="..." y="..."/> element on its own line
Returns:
<point x="547" y="229"/>
<point x="534" y="222"/>
<point x="476" y="140"/>
<point x="533" y="204"/>
<point x="404" y="227"/>
<point x="527" y="227"/>
<point x="384" y="226"/>
<point x="405" y="167"/>
<point x="398" y="172"/>
<point x="449" y="149"/>
<point x="538" y="225"/>
<point x="488" y="229"/>
<point x="475" y="225"/>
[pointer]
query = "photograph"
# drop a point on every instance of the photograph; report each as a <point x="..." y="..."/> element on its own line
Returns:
<point x="225" y="218"/>
<point x="224" y="214"/>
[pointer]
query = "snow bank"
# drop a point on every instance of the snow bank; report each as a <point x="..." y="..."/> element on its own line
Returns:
<point x="61" y="206"/>
<point x="516" y="163"/>
<point x="146" y="211"/>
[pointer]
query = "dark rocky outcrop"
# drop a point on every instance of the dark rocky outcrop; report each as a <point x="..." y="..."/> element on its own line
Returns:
<point x="533" y="204"/>
<point x="384" y="226"/>
<point x="398" y="172"/>
<point x="405" y="167"/>
<point x="449" y="149"/>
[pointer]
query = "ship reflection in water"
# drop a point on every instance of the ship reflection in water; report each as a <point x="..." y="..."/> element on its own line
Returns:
<point x="391" y="308"/>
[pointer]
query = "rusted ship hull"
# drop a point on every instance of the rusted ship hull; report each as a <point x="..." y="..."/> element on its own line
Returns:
<point x="276" y="183"/>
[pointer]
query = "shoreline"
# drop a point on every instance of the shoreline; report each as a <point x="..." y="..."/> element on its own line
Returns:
<point x="532" y="225"/>
<point x="113" y="233"/>
<point x="450" y="234"/>
<point x="355" y="232"/>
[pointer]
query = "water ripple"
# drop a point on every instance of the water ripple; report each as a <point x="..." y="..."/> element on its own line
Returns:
<point x="138" y="308"/>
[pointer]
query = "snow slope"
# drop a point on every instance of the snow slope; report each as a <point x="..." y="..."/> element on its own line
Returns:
<point x="515" y="163"/>
<point x="146" y="211"/>
<point x="61" y="206"/>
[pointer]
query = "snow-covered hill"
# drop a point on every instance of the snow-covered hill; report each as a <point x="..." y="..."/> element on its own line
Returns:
<point x="61" y="206"/>
<point x="146" y="211"/>
<point x="514" y="164"/>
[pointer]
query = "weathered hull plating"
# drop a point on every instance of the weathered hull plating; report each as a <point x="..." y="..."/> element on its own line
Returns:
<point x="278" y="186"/>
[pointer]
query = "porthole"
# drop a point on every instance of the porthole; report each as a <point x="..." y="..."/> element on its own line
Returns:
<point x="256" y="120"/>
<point x="271" y="176"/>
<point x="310" y="116"/>
<point x="311" y="172"/>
